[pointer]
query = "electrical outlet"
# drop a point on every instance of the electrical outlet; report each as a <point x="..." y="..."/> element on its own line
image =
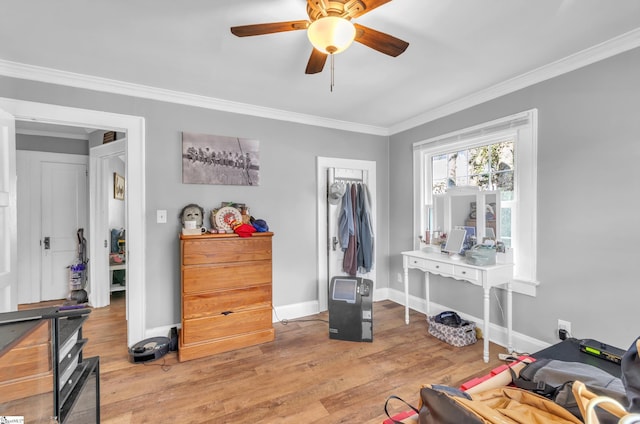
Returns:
<point x="400" y="278"/>
<point x="564" y="325"/>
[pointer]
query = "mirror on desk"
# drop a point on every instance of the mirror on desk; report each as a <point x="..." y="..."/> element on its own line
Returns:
<point x="460" y="207"/>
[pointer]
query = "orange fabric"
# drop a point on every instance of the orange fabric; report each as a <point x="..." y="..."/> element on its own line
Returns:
<point x="513" y="405"/>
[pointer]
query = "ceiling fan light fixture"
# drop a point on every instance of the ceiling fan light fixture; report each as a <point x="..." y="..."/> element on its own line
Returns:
<point x="331" y="34"/>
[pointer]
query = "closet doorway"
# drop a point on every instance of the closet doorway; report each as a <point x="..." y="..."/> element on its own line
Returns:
<point x="330" y="254"/>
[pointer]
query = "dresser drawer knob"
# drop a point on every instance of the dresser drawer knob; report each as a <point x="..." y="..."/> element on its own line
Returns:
<point x="464" y="272"/>
<point x="437" y="266"/>
<point x="225" y="313"/>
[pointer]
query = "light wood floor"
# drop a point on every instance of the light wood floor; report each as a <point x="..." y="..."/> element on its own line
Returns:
<point x="301" y="377"/>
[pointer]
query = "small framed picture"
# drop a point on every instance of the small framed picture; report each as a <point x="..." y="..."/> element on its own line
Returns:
<point x="118" y="186"/>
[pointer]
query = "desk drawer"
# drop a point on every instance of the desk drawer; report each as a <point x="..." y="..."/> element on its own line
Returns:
<point x="431" y="266"/>
<point x="439" y="267"/>
<point x="469" y="274"/>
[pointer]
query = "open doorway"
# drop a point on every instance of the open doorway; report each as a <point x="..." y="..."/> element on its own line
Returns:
<point x="134" y="128"/>
<point x="54" y="212"/>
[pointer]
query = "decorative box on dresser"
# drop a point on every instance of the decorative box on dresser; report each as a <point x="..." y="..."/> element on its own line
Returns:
<point x="226" y="288"/>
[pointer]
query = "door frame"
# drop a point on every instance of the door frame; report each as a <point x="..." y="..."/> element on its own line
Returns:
<point x="322" y="164"/>
<point x="99" y="173"/>
<point x="8" y="215"/>
<point x="134" y="127"/>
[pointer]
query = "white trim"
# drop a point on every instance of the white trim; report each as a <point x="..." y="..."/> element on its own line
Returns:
<point x="89" y="82"/>
<point x="136" y="206"/>
<point x="8" y="214"/>
<point x="497" y="334"/>
<point x="295" y="310"/>
<point x="609" y="48"/>
<point x="617" y="45"/>
<point x="101" y="178"/>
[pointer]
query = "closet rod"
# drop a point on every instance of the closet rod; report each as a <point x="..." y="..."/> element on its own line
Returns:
<point x="348" y="179"/>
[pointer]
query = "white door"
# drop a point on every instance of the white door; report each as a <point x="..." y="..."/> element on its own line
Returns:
<point x="64" y="212"/>
<point x="330" y="257"/>
<point x="8" y="223"/>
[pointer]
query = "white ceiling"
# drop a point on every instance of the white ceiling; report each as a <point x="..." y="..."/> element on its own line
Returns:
<point x="458" y="50"/>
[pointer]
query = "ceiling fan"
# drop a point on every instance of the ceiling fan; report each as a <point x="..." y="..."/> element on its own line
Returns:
<point x="331" y="31"/>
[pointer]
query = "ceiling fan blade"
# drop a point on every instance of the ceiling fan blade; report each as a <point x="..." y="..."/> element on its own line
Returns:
<point x="384" y="43"/>
<point x="369" y="6"/>
<point x="316" y="62"/>
<point x="261" y="29"/>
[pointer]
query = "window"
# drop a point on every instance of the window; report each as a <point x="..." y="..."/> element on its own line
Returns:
<point x="498" y="155"/>
<point x="489" y="166"/>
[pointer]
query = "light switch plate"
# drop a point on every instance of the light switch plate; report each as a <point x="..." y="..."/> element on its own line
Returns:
<point x="161" y="216"/>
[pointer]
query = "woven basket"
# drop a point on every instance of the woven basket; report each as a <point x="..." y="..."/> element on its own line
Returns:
<point x="463" y="335"/>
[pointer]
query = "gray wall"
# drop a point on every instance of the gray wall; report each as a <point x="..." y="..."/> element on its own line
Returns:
<point x="286" y="197"/>
<point x="51" y="144"/>
<point x="588" y="156"/>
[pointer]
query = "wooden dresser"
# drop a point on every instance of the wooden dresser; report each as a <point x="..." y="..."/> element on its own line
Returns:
<point x="225" y="293"/>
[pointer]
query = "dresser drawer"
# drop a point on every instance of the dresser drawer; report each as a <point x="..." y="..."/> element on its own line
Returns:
<point x="225" y="276"/>
<point x="212" y="251"/>
<point x="210" y="304"/>
<point x="219" y="326"/>
<point x="469" y="274"/>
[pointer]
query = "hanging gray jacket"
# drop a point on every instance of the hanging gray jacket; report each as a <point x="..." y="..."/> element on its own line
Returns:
<point x="345" y="219"/>
<point x="365" y="230"/>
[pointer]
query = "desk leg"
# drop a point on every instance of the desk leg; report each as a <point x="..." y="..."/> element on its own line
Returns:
<point x="509" y="317"/>
<point x="406" y="295"/>
<point x="427" y="296"/>
<point x="485" y="330"/>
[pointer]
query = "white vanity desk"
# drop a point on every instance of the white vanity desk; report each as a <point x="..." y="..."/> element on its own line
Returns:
<point x="485" y="276"/>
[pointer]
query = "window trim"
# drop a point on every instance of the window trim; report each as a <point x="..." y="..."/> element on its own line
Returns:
<point x="524" y="128"/>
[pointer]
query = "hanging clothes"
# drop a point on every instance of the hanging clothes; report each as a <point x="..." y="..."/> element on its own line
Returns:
<point x="345" y="219"/>
<point x="365" y="230"/>
<point x="350" y="260"/>
<point x="358" y="223"/>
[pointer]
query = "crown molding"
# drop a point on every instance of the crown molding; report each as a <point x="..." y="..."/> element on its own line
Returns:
<point x="617" y="45"/>
<point x="89" y="82"/>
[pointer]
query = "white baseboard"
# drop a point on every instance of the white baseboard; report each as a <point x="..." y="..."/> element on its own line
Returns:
<point x="163" y="331"/>
<point x="296" y="310"/>
<point x="497" y="334"/>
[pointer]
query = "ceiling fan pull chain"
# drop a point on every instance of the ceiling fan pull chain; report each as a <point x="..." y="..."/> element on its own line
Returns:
<point x="332" y="80"/>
